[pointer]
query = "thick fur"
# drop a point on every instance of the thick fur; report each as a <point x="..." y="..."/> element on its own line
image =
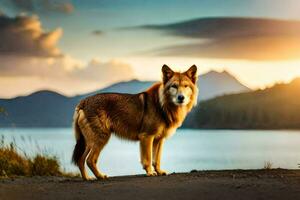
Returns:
<point x="80" y="142"/>
<point x="148" y="117"/>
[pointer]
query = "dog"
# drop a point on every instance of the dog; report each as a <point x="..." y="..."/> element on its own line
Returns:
<point x="148" y="117"/>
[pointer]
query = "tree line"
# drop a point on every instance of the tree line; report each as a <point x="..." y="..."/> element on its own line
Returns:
<point x="277" y="107"/>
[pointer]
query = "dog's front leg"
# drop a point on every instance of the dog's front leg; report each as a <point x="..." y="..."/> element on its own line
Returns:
<point x="157" y="151"/>
<point x="146" y="143"/>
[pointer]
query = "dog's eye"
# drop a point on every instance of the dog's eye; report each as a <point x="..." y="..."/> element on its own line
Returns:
<point x="186" y="86"/>
<point x="174" y="86"/>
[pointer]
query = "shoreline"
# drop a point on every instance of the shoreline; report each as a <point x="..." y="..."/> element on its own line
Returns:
<point x="218" y="184"/>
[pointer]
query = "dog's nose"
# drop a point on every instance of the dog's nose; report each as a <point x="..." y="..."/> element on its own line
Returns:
<point x="180" y="98"/>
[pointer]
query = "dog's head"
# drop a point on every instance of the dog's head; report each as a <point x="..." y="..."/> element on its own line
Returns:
<point x="179" y="89"/>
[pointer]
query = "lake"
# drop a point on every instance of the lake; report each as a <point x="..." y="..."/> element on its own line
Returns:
<point x="185" y="151"/>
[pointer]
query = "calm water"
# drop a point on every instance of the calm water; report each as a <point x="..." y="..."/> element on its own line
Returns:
<point x="186" y="150"/>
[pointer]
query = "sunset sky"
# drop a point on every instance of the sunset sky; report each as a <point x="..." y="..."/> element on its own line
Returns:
<point x="76" y="46"/>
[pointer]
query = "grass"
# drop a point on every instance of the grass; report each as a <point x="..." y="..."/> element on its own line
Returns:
<point x="268" y="165"/>
<point x="14" y="163"/>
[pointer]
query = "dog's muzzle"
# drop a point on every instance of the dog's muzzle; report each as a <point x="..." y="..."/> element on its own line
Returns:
<point x="180" y="98"/>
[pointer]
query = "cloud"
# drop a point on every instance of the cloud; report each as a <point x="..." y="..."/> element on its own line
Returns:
<point x="42" y="6"/>
<point x="16" y="66"/>
<point x="64" y="74"/>
<point x="65" y="8"/>
<point x="29" y="56"/>
<point x="97" y="32"/>
<point x="96" y="70"/>
<point x="246" y="48"/>
<point x="65" y="67"/>
<point x="24" y="36"/>
<point x="234" y="38"/>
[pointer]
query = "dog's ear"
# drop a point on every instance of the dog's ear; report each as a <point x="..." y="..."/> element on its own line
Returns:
<point x="192" y="73"/>
<point x="167" y="73"/>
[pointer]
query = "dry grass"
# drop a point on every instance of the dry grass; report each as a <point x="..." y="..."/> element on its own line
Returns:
<point x="14" y="163"/>
<point x="268" y="165"/>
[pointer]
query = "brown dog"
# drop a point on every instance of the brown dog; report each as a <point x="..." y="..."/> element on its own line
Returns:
<point x="148" y="117"/>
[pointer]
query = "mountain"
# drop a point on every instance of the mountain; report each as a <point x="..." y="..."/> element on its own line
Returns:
<point x="210" y="85"/>
<point x="133" y="86"/>
<point x="277" y="107"/>
<point x="50" y="109"/>
<point x="40" y="109"/>
<point x="214" y="83"/>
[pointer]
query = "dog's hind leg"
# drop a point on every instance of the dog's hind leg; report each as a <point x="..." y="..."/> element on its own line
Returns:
<point x="92" y="159"/>
<point x="96" y="136"/>
<point x="81" y="163"/>
<point x="83" y="133"/>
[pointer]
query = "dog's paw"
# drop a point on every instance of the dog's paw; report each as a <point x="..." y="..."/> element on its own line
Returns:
<point x="102" y="177"/>
<point x="161" y="172"/>
<point x="151" y="173"/>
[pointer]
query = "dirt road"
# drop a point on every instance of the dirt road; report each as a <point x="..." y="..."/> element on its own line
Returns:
<point x="236" y="184"/>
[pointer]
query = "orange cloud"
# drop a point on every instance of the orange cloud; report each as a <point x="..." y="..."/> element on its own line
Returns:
<point x="247" y="48"/>
<point x="96" y="70"/>
<point x="29" y="56"/>
<point x="21" y="75"/>
<point x="24" y="36"/>
<point x="234" y="38"/>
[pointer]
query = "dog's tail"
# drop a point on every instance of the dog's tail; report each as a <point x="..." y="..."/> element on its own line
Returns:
<point x="80" y="142"/>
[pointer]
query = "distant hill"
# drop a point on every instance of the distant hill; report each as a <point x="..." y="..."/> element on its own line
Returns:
<point x="210" y="85"/>
<point x="277" y="107"/>
<point x="214" y="83"/>
<point x="131" y="87"/>
<point x="40" y="109"/>
<point x="50" y="109"/>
